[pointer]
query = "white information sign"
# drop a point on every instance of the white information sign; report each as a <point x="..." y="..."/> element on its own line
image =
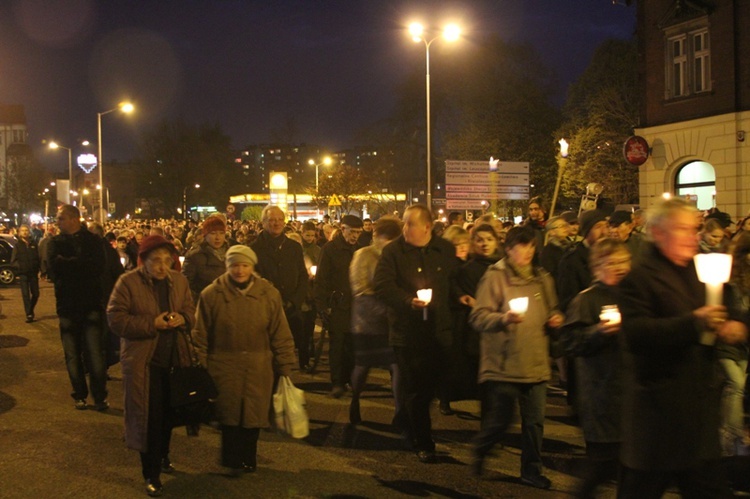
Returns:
<point x="470" y="185"/>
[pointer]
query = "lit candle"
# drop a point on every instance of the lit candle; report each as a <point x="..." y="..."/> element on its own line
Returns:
<point x="313" y="270"/>
<point x="610" y="314"/>
<point x="182" y="259"/>
<point x="424" y="295"/>
<point x="519" y="305"/>
<point x="122" y="261"/>
<point x="713" y="270"/>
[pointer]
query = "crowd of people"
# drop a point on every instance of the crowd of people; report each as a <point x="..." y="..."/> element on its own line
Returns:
<point x="459" y="310"/>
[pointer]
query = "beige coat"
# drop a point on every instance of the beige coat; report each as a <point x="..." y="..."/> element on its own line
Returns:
<point x="131" y="311"/>
<point x="242" y="338"/>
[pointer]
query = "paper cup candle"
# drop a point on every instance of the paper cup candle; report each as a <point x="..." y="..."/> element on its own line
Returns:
<point x="313" y="270"/>
<point x="519" y="305"/>
<point x="610" y="314"/>
<point x="182" y="259"/>
<point x="714" y="270"/>
<point x="424" y="295"/>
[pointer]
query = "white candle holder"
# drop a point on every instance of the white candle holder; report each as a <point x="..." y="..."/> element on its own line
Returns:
<point x="313" y="270"/>
<point x="424" y="295"/>
<point x="182" y="259"/>
<point x="610" y="314"/>
<point x="714" y="269"/>
<point x="519" y="306"/>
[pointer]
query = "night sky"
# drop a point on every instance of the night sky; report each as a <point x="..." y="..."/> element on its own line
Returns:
<point x="331" y="66"/>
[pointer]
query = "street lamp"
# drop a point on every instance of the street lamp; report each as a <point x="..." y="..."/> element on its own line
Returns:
<point x="563" y="161"/>
<point x="125" y="107"/>
<point x="55" y="145"/>
<point x="451" y="33"/>
<point x="326" y="161"/>
<point x="184" y="200"/>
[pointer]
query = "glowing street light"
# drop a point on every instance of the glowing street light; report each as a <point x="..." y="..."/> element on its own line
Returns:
<point x="125" y="107"/>
<point x="184" y="200"/>
<point x="326" y="161"/>
<point x="55" y="145"/>
<point x="450" y="33"/>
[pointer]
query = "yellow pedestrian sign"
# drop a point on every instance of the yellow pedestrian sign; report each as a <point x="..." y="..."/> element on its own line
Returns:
<point x="334" y="201"/>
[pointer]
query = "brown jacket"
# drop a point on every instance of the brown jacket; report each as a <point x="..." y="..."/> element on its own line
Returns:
<point x="131" y="311"/>
<point x="242" y="338"/>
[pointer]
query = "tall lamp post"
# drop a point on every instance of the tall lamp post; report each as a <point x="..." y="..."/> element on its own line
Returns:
<point x="326" y="161"/>
<point x="55" y="145"/>
<point x="451" y="33"/>
<point x="184" y="200"/>
<point x="125" y="107"/>
<point x="563" y="161"/>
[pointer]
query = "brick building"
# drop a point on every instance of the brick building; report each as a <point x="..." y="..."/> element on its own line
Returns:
<point x="694" y="72"/>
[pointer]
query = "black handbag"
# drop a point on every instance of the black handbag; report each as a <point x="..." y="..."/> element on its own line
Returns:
<point x="190" y="386"/>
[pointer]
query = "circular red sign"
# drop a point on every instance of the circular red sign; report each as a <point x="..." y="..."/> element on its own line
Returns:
<point x="636" y="150"/>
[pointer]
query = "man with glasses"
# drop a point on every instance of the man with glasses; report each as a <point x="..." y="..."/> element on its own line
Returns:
<point x="280" y="260"/>
<point x="333" y="292"/>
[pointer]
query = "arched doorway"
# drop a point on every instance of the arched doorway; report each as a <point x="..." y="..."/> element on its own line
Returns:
<point x="697" y="178"/>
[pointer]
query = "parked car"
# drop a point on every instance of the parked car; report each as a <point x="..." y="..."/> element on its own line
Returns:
<point x="8" y="273"/>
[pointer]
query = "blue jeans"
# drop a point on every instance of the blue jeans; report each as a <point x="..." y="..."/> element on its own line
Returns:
<point x="83" y="340"/>
<point x="498" y="404"/>
<point x="732" y="412"/>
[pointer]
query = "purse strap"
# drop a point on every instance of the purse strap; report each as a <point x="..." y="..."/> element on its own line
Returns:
<point x="184" y="333"/>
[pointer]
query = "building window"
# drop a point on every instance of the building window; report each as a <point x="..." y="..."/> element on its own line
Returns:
<point x="688" y="70"/>
<point x="18" y="136"/>
<point x="697" y="180"/>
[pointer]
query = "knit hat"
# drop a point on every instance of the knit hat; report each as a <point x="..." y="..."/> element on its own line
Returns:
<point x="213" y="223"/>
<point x="239" y="253"/>
<point x="588" y="219"/>
<point x="619" y="217"/>
<point x="352" y="221"/>
<point x="150" y="243"/>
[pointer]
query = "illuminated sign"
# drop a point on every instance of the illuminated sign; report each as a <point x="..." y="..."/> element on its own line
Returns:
<point x="87" y="162"/>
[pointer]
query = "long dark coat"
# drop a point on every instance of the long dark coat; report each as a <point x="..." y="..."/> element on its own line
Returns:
<point x="242" y="338"/>
<point x="280" y="261"/>
<point x="131" y="311"/>
<point x="201" y="267"/>
<point x="598" y="365"/>
<point x="573" y="274"/>
<point x="671" y="388"/>
<point x="332" y="278"/>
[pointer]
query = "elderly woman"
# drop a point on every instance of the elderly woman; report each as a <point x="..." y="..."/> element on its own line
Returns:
<point x="151" y="309"/>
<point x="205" y="262"/>
<point x="241" y="335"/>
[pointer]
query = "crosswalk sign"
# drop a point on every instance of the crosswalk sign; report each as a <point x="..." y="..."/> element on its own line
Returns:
<point x="334" y="201"/>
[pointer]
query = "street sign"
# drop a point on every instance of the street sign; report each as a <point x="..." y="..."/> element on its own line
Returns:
<point x="473" y="185"/>
<point x="334" y="201"/>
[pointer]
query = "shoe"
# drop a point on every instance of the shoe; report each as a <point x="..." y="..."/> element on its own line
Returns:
<point x="166" y="466"/>
<point x="354" y="416"/>
<point x="236" y="472"/>
<point x="304" y="368"/>
<point x="101" y="406"/>
<point x="426" y="456"/>
<point x="476" y="466"/>
<point x="445" y="409"/>
<point x="29" y="318"/>
<point x="249" y="468"/>
<point x="540" y="482"/>
<point x="337" y="392"/>
<point x="154" y="488"/>
<point x="81" y="405"/>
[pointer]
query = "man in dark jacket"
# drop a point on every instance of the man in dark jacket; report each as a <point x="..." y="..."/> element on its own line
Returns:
<point x="420" y="331"/>
<point x="671" y="394"/>
<point x="25" y="258"/>
<point x="280" y="261"/>
<point x="333" y="292"/>
<point x="76" y="267"/>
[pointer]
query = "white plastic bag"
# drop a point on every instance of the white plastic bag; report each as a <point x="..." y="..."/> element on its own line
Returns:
<point x="289" y="409"/>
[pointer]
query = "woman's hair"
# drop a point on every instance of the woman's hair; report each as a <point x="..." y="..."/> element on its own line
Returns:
<point x="604" y="248"/>
<point x="388" y="227"/>
<point x="519" y="235"/>
<point x="484" y="228"/>
<point x="456" y="235"/>
<point x="740" y="262"/>
<point x="711" y="225"/>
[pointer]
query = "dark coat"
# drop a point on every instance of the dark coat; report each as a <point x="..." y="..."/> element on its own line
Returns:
<point x="131" y="311"/>
<point x="112" y="270"/>
<point x="401" y="271"/>
<point x="201" y="267"/>
<point x="242" y="338"/>
<point x="597" y="363"/>
<point x="25" y="257"/>
<point x="551" y="255"/>
<point x="280" y="261"/>
<point x="468" y="281"/>
<point x="76" y="267"/>
<point x="332" y="279"/>
<point x="671" y="389"/>
<point x="573" y="274"/>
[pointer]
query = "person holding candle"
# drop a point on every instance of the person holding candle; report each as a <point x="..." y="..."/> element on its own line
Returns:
<point x="514" y="351"/>
<point x="671" y="392"/>
<point x="590" y="335"/>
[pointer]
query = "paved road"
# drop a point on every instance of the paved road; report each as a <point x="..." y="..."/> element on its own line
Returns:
<point x="48" y="449"/>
